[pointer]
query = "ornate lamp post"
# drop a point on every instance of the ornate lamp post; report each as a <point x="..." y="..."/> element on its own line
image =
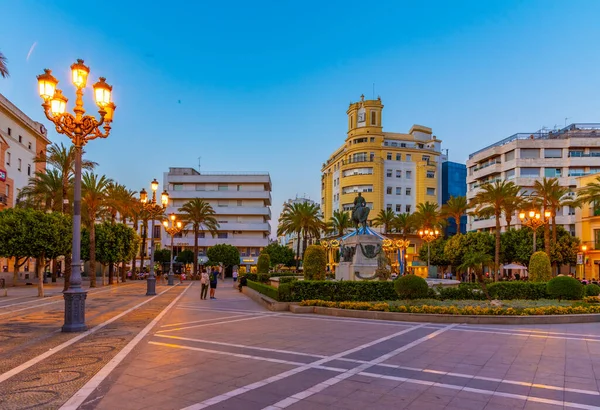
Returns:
<point x="330" y="246"/>
<point x="533" y="219"/>
<point x="173" y="230"/>
<point x="402" y="244"/>
<point x="583" y="249"/>
<point x="155" y="211"/>
<point x="80" y="129"/>
<point x="428" y="235"/>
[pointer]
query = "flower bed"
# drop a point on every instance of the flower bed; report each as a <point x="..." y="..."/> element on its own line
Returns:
<point x="456" y="310"/>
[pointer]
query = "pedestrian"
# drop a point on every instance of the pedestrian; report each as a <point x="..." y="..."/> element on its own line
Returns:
<point x="204" y="279"/>
<point x="214" y="276"/>
<point x="235" y="276"/>
<point x="181" y="277"/>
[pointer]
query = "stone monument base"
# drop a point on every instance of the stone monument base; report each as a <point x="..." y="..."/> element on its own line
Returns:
<point x="366" y="267"/>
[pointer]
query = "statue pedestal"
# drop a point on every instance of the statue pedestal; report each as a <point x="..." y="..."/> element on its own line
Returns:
<point x="366" y="267"/>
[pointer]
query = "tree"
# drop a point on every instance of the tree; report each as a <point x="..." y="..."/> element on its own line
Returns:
<point x="186" y="257"/>
<point x="339" y="222"/>
<point x="224" y="254"/>
<point x="43" y="192"/>
<point x="491" y="200"/>
<point x="3" y="66"/>
<point x="303" y="219"/>
<point x="199" y="215"/>
<point x="511" y="205"/>
<point x="478" y="261"/>
<point x="279" y="254"/>
<point x="114" y="243"/>
<point x="437" y="256"/>
<point x="458" y="246"/>
<point x="455" y="208"/>
<point x="93" y="199"/>
<point x="264" y="263"/>
<point x="516" y="246"/>
<point x="315" y="263"/>
<point x="386" y="218"/>
<point x="539" y="267"/>
<point x="428" y="215"/>
<point x="549" y="193"/>
<point x="404" y="223"/>
<point x="162" y="256"/>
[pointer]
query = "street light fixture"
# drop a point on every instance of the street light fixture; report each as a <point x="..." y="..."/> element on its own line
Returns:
<point x="428" y="235"/>
<point x="155" y="211"/>
<point x="583" y="249"/>
<point x="80" y="129"/>
<point x="533" y="219"/>
<point x="173" y="230"/>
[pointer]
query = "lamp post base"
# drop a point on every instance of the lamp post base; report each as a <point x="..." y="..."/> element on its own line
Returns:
<point x="74" y="310"/>
<point x="151" y="286"/>
<point x="170" y="282"/>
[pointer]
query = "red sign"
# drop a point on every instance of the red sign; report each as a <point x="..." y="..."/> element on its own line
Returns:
<point x="2" y="175"/>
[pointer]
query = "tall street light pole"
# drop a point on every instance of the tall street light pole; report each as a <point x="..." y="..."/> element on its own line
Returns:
<point x="533" y="219"/>
<point x="428" y="235"/>
<point x="80" y="129"/>
<point x="583" y="249"/>
<point x="173" y="230"/>
<point x="155" y="211"/>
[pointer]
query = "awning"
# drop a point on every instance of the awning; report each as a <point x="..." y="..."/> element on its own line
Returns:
<point x="362" y="231"/>
<point x="514" y="266"/>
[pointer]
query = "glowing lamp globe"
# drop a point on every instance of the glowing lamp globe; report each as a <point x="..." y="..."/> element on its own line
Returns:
<point x="47" y="85"/>
<point x="102" y="93"/>
<point x="79" y="74"/>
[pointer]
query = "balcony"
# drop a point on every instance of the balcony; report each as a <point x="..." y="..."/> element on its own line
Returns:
<point x="266" y="195"/>
<point x="210" y="241"/>
<point x="3" y="199"/>
<point x="488" y="164"/>
<point x="233" y="210"/>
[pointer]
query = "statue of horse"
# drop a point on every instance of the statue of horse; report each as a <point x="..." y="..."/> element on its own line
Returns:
<point x="360" y="216"/>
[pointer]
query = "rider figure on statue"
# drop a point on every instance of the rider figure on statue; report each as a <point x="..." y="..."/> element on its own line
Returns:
<point x="360" y="213"/>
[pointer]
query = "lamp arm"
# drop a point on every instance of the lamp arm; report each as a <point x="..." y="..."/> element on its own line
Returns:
<point x="64" y="123"/>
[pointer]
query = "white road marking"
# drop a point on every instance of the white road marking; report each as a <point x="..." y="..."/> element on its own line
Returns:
<point x="349" y="373"/>
<point x="78" y="398"/>
<point x="292" y="372"/>
<point x="13" y="372"/>
<point x="205" y="320"/>
<point x="215" y="323"/>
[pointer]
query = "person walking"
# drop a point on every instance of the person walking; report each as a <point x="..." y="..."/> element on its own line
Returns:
<point x="214" y="276"/>
<point x="204" y="279"/>
<point x="234" y="274"/>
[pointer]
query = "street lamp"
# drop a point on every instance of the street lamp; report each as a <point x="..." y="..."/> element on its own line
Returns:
<point x="330" y="246"/>
<point x="583" y="249"/>
<point x="155" y="211"/>
<point x="80" y="129"/>
<point x="533" y="219"/>
<point x="174" y="229"/>
<point x="428" y="235"/>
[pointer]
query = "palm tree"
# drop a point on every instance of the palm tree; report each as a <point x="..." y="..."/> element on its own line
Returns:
<point x="3" y="66"/>
<point x="404" y="223"/>
<point x="513" y="203"/>
<point x="303" y="219"/>
<point x="455" y="208"/>
<point x="93" y="197"/>
<point x="339" y="222"/>
<point x="544" y="191"/>
<point x="43" y="192"/>
<point x="62" y="159"/>
<point x="491" y="200"/>
<point x="477" y="261"/>
<point x="428" y="215"/>
<point x="200" y="215"/>
<point x="386" y="218"/>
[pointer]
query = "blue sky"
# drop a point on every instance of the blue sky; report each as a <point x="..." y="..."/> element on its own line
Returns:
<point x="264" y="85"/>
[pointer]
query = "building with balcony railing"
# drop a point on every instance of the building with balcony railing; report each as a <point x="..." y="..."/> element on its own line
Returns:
<point x="392" y="170"/>
<point x="587" y="228"/>
<point x="524" y="158"/>
<point x="241" y="202"/>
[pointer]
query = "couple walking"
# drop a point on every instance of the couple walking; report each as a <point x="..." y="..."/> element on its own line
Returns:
<point x="206" y="279"/>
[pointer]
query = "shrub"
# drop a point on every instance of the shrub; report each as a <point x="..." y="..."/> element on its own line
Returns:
<point x="539" y="267"/>
<point x="565" y="287"/>
<point x="591" y="299"/>
<point x="266" y="290"/>
<point x="314" y="263"/>
<point x="411" y="287"/>
<point x="592" y="290"/>
<point x="264" y="263"/>
<point x="341" y="291"/>
<point x="287" y="279"/>
<point x="518" y="290"/>
<point x="464" y="291"/>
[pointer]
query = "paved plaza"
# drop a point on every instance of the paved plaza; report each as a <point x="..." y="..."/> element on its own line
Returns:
<point x="230" y="353"/>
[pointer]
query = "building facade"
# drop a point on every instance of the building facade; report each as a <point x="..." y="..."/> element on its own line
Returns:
<point x="454" y="184"/>
<point x="241" y="202"/>
<point x="21" y="141"/>
<point x="524" y="158"/>
<point x="291" y="240"/>
<point x="392" y="170"/>
<point x="587" y="228"/>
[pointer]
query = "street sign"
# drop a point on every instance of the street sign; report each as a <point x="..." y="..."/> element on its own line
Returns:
<point x="580" y="258"/>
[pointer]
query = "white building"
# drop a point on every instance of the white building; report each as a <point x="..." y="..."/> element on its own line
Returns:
<point x="241" y="202"/>
<point x="523" y="158"/>
<point x="291" y="240"/>
<point x="21" y="139"/>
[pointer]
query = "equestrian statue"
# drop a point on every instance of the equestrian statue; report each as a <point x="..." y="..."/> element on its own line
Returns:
<point x="360" y="213"/>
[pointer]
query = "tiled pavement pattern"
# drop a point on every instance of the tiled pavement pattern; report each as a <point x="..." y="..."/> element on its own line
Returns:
<point x="230" y="353"/>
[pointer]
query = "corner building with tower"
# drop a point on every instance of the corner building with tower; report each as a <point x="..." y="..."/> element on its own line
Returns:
<point x="392" y="170"/>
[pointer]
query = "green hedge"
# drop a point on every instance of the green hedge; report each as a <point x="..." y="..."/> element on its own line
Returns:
<point x="565" y="287"/>
<point x="518" y="290"/>
<point x="266" y="290"/>
<point x="592" y="290"/>
<point x="411" y="287"/>
<point x="340" y="291"/>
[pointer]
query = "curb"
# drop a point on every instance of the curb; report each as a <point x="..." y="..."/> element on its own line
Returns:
<point x="265" y="301"/>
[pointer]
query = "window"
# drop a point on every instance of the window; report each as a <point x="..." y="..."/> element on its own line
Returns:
<point x="201" y="235"/>
<point x="373" y="118"/>
<point x="222" y="235"/>
<point x="388" y="190"/>
<point x="407" y="208"/>
<point x="576" y="153"/>
<point x="388" y="207"/>
<point x="19" y="167"/>
<point x="7" y="190"/>
<point x="239" y="202"/>
<point x="430" y="191"/>
<point x="553" y="153"/>
<point x="430" y="174"/>
<point x="420" y="145"/>
<point x="28" y="169"/>
<point x="20" y="139"/>
<point x="398" y="208"/>
<point x="222" y="203"/>
<point x="224" y="221"/>
<point x="157" y="231"/>
<point x="530" y="172"/>
<point x="509" y="156"/>
<point x="408" y="157"/>
<point x="425" y="158"/>
<point x="398" y="173"/>
<point x="29" y="146"/>
<point x="200" y="187"/>
<point x="223" y="187"/>
<point x="389" y="156"/>
<point x="9" y="132"/>
<point x="408" y="191"/>
<point x="529" y="153"/>
<point x="408" y="174"/>
<point x="388" y="173"/>
<point x="398" y="190"/>
<point x="372" y="139"/>
<point x="177" y="187"/>
<point x="398" y="157"/>
<point x="239" y="187"/>
<point x="553" y="172"/>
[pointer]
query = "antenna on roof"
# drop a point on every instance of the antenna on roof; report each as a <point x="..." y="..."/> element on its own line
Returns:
<point x="199" y="163"/>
